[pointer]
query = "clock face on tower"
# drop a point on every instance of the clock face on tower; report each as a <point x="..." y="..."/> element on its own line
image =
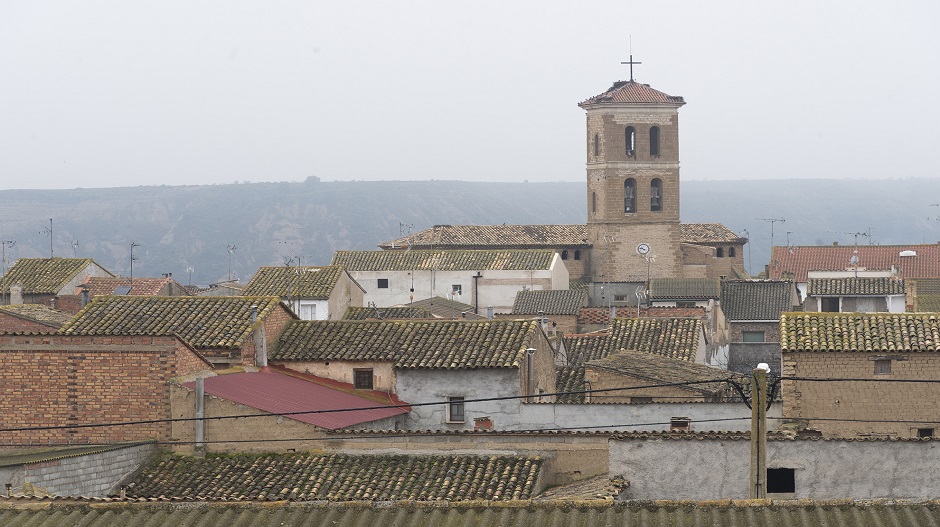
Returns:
<point x="643" y="249"/>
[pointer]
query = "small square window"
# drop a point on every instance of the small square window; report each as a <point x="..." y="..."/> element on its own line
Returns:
<point x="455" y="410"/>
<point x="457" y="289"/>
<point x="781" y="480"/>
<point x="383" y="283"/>
<point x="680" y="424"/>
<point x="882" y="367"/>
<point x="362" y="378"/>
<point x="925" y="432"/>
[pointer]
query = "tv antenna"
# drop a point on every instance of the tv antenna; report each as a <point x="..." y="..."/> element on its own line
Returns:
<point x="133" y="245"/>
<point x="231" y="251"/>
<point x="48" y="231"/>
<point x="74" y="248"/>
<point x="772" y="221"/>
<point x="190" y="269"/>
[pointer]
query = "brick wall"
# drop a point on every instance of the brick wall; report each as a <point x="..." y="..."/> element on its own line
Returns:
<point x="14" y="324"/>
<point x="601" y="379"/>
<point x="915" y="402"/>
<point x="771" y="330"/>
<point x="70" y="380"/>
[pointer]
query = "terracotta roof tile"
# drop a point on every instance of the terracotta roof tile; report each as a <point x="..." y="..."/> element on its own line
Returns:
<point x="569" y="379"/>
<point x="709" y="233"/>
<point x="202" y="322"/>
<point x="796" y="262"/>
<point x="685" y="289"/>
<point x="756" y="299"/>
<point x="633" y="92"/>
<point x="677" y="338"/>
<point x="659" y="369"/>
<point x="106" y="285"/>
<point x="448" y="260"/>
<point x="386" y="313"/>
<point x="855" y="286"/>
<point x="315" y="283"/>
<point x="601" y="315"/>
<point x="871" y="332"/>
<point x="409" y="344"/>
<point x="442" y="307"/>
<point x="43" y="275"/>
<point x="38" y="313"/>
<point x="338" y="477"/>
<point x="551" y="302"/>
<point x="276" y="392"/>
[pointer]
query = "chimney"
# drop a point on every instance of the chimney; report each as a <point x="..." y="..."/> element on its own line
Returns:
<point x="489" y="312"/>
<point x="86" y="295"/>
<point x="16" y="294"/>
<point x="260" y="342"/>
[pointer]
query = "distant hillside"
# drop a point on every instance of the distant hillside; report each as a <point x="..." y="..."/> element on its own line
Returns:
<point x="179" y="227"/>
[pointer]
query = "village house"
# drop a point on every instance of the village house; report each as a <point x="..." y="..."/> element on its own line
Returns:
<point x="869" y="350"/>
<point x="855" y="295"/>
<point x="48" y="281"/>
<point x="31" y="318"/>
<point x="225" y="330"/>
<point x="313" y="293"/>
<point x="482" y="279"/>
<point x="422" y="361"/>
<point x="751" y="309"/>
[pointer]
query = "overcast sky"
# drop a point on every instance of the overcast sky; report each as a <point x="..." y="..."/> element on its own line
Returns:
<point x="194" y="92"/>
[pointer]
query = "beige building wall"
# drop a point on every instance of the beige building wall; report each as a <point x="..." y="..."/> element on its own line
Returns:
<point x="383" y="375"/>
<point x="601" y="379"/>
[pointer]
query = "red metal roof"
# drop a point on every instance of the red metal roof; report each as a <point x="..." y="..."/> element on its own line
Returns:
<point x="798" y="261"/>
<point x="275" y="392"/>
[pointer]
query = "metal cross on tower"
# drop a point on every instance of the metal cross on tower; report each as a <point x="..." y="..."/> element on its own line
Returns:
<point x="631" y="63"/>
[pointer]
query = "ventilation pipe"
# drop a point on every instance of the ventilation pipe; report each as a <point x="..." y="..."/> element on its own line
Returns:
<point x="489" y="312"/>
<point x="200" y="416"/>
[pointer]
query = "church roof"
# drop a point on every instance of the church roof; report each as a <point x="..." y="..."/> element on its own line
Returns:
<point x="633" y="92"/>
<point x="537" y="236"/>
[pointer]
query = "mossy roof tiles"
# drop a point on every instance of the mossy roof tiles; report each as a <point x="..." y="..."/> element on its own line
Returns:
<point x="708" y="233"/>
<point x="105" y="285"/>
<point x="444" y="308"/>
<point x="659" y="369"/>
<point x="927" y="303"/>
<point x="202" y="322"/>
<point x="386" y="313"/>
<point x="43" y="276"/>
<point x="569" y="379"/>
<point x="38" y="313"/>
<point x="860" y="332"/>
<point x="549" y="301"/>
<point x="685" y="289"/>
<point x="338" y="477"/>
<point x="445" y="260"/>
<point x="315" y="283"/>
<point x="632" y="92"/>
<point x="677" y="338"/>
<point x="755" y="300"/>
<point x="409" y="344"/>
<point x="855" y="286"/>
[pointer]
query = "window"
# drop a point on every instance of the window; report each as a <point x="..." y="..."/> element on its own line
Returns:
<point x="629" y="195"/>
<point x="457" y="289"/>
<point x="829" y="305"/>
<point x="731" y="252"/>
<point x="656" y="195"/>
<point x="577" y="254"/>
<point x="752" y="336"/>
<point x="781" y="480"/>
<point x="925" y="432"/>
<point x="882" y="366"/>
<point x="308" y="311"/>
<point x="630" y="140"/>
<point x="597" y="145"/>
<point x="594" y="202"/>
<point x="362" y="378"/>
<point x="720" y="253"/>
<point x="383" y="283"/>
<point x="680" y="424"/>
<point x="564" y="254"/>
<point x="654" y="141"/>
<point x="455" y="410"/>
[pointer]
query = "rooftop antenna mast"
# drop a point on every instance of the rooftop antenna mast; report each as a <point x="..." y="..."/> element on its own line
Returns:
<point x="133" y="245"/>
<point x="231" y="251"/>
<point x="3" y="259"/>
<point x="48" y="230"/>
<point x="631" y="62"/>
<point x="772" y="221"/>
<point x="190" y="269"/>
<point x="74" y="248"/>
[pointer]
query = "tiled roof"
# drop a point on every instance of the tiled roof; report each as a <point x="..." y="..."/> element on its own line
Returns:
<point x="927" y="286"/>
<point x="709" y="233"/>
<point x="38" y="313"/>
<point x="201" y="321"/>
<point x="569" y="379"/>
<point x="338" y="477"/>
<point x="855" y="287"/>
<point x="479" y="236"/>
<point x="105" y="285"/>
<point x="552" y="302"/>
<point x="764" y="513"/>
<point x="677" y="338"/>
<point x="538" y="236"/>
<point x="441" y="307"/>
<point x="755" y="299"/>
<point x="633" y="92"/>
<point x="796" y="262"/>
<point x="386" y="313"/>
<point x="456" y="260"/>
<point x="659" y="369"/>
<point x="601" y="315"/>
<point x="873" y="332"/>
<point x="315" y="283"/>
<point x="685" y="289"/>
<point x="43" y="275"/>
<point x="927" y="303"/>
<point x="409" y="344"/>
<point x="276" y="392"/>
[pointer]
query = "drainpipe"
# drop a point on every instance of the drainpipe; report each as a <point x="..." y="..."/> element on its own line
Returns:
<point x="476" y="292"/>
<point x="200" y="415"/>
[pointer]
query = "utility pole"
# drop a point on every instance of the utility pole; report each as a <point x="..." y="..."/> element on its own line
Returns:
<point x="758" y="480"/>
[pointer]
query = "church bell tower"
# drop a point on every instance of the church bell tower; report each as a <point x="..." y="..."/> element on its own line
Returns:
<point x="633" y="183"/>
